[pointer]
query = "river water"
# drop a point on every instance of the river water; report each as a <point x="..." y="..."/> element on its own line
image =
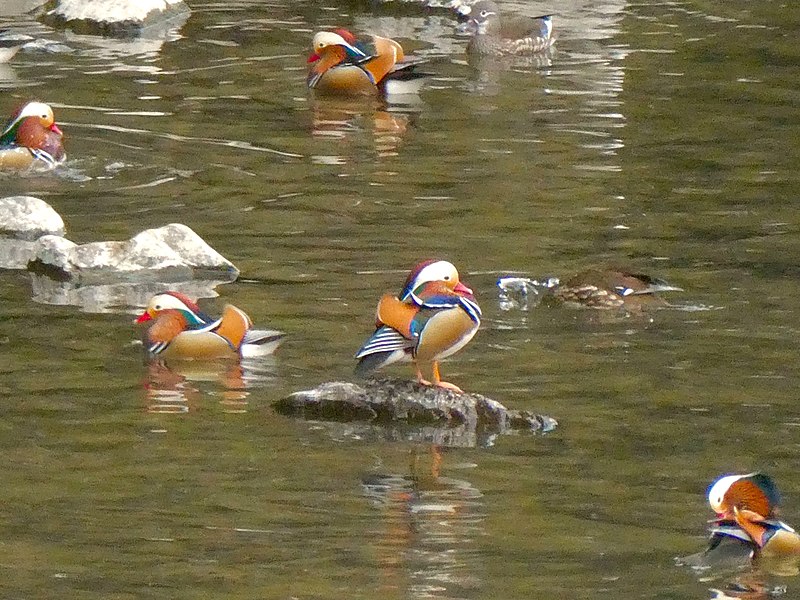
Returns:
<point x="660" y="136"/>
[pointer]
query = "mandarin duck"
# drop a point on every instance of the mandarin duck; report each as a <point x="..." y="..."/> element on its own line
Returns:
<point x="610" y="288"/>
<point x="746" y="507"/>
<point x="433" y="317"/>
<point x="31" y="137"/>
<point x="506" y="36"/>
<point x="344" y="65"/>
<point x="176" y="328"/>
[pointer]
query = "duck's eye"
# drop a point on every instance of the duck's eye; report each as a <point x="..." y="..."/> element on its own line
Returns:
<point x="447" y="277"/>
<point x="158" y="307"/>
<point x="485" y="13"/>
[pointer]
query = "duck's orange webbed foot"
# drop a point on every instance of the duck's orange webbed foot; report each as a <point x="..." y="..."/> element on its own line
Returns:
<point x="449" y="386"/>
<point x="437" y="381"/>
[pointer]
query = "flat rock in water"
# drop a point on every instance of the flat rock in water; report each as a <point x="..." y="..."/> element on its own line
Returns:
<point x="170" y="253"/>
<point x="114" y="17"/>
<point x="28" y="218"/>
<point x="390" y="401"/>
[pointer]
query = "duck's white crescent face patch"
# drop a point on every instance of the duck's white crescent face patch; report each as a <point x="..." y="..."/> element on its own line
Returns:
<point x="717" y="491"/>
<point x="166" y="302"/>
<point x="439" y="271"/>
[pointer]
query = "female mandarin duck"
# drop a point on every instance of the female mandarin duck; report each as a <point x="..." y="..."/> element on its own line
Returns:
<point x="176" y="328"/>
<point x="31" y="137"/>
<point x="343" y="65"/>
<point x="610" y="288"/>
<point x="434" y="316"/>
<point x="496" y="36"/>
<point x="746" y="507"/>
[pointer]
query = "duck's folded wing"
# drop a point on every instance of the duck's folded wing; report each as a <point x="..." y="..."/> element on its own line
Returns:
<point x="384" y="347"/>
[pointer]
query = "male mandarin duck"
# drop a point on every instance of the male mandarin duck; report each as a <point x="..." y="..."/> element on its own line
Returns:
<point x="177" y="329"/>
<point x="506" y="36"/>
<point x="433" y="317"/>
<point x="30" y="137"/>
<point x="610" y="288"/>
<point x="341" y="64"/>
<point x="746" y="507"/>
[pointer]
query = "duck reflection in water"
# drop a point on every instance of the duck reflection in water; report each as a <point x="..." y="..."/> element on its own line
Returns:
<point x="181" y="386"/>
<point x="353" y="126"/>
<point x="425" y="546"/>
<point x="183" y="345"/>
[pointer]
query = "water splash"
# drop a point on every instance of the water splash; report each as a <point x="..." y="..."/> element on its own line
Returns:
<point x="523" y="293"/>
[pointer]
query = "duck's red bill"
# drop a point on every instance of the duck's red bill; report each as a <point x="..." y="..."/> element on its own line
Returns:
<point x="462" y="289"/>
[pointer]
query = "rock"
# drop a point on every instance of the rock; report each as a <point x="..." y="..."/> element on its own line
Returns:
<point x="28" y="218"/>
<point x="122" y="18"/>
<point x="16" y="254"/>
<point x="391" y="402"/>
<point x="170" y="253"/>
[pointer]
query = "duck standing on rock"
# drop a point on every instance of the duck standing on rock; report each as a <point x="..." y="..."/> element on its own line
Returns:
<point x="177" y="329"/>
<point x="31" y="138"/>
<point x="344" y="65"/>
<point x="493" y="35"/>
<point x="433" y="317"/>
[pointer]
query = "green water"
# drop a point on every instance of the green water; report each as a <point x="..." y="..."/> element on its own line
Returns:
<point x="661" y="136"/>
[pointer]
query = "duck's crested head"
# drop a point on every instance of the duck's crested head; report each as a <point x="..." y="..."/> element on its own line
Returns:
<point x="484" y="17"/>
<point x="323" y="40"/>
<point x="434" y="271"/>
<point x="755" y="492"/>
<point x="41" y="111"/>
<point x="167" y="301"/>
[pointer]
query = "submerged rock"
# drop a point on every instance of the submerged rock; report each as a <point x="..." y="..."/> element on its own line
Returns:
<point x="170" y="253"/>
<point x="392" y="401"/>
<point x="112" y="297"/>
<point x="28" y="218"/>
<point x="114" y="17"/>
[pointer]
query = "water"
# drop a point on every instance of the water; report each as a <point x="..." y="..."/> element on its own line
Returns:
<point x="659" y="136"/>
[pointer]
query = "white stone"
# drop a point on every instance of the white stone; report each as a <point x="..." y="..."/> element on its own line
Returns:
<point x="112" y="11"/>
<point x="170" y="253"/>
<point x="54" y="251"/>
<point x="28" y="218"/>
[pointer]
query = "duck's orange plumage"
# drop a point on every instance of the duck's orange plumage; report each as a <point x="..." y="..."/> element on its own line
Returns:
<point x="176" y="328"/>
<point x="343" y="64"/>
<point x="31" y="135"/>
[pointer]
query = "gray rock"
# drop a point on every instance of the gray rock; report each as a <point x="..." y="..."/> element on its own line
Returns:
<point x="391" y="401"/>
<point x="114" y="17"/>
<point x="28" y="218"/>
<point x="170" y="253"/>
<point x="18" y="8"/>
<point x="16" y="254"/>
